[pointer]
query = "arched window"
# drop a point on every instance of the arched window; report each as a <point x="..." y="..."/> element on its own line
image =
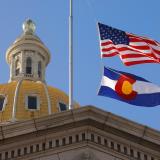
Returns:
<point x="17" y="66"/>
<point x="39" y="69"/>
<point x="29" y="66"/>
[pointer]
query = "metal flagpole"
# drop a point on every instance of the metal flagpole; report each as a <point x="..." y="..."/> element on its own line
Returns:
<point x="70" y="57"/>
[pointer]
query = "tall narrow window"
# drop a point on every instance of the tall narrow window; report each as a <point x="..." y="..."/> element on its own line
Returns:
<point x="131" y="152"/>
<point x="125" y="150"/>
<point x="29" y="66"/>
<point x="17" y="66"/>
<point x="139" y="155"/>
<point x="145" y="157"/>
<point x="39" y="69"/>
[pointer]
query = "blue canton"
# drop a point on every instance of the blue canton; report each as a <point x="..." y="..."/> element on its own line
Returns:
<point x="115" y="35"/>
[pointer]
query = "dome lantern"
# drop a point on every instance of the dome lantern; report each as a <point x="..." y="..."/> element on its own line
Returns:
<point x="28" y="56"/>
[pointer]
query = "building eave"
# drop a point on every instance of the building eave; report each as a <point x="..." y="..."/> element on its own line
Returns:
<point x="84" y="116"/>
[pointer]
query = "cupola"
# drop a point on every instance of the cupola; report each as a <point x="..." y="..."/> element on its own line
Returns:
<point x="28" y="56"/>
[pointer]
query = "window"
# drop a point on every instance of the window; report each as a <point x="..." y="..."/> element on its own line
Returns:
<point x="105" y="142"/>
<point x="17" y="66"/>
<point x="57" y="143"/>
<point x="125" y="150"/>
<point x="32" y="102"/>
<point x="92" y="137"/>
<point x="70" y="139"/>
<point x="29" y="66"/>
<point x="25" y="150"/>
<point x="37" y="147"/>
<point x="77" y="138"/>
<point x="12" y="154"/>
<point x="19" y="152"/>
<point x="131" y="152"/>
<point x="138" y="155"/>
<point x="112" y="145"/>
<point x="39" y="69"/>
<point x="145" y="157"/>
<point x="50" y="144"/>
<point x="99" y="139"/>
<point x="63" y="141"/>
<point x="6" y="155"/>
<point x="83" y="136"/>
<point x="62" y="106"/>
<point x="31" y="149"/>
<point x="2" y="102"/>
<point x="17" y="71"/>
<point x="118" y="147"/>
<point x="43" y="146"/>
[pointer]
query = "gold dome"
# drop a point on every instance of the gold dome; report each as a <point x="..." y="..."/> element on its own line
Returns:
<point x="15" y="107"/>
<point x="27" y="95"/>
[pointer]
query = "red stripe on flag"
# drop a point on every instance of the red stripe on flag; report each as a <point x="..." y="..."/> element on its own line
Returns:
<point x="107" y="49"/>
<point x="109" y="55"/>
<point x="106" y="43"/>
<point x="139" y="62"/>
<point x="141" y="47"/>
<point x="136" y="56"/>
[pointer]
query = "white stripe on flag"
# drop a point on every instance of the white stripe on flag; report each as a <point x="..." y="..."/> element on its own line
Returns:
<point x="137" y="43"/>
<point x="142" y="87"/>
<point x="137" y="59"/>
<point x="131" y="53"/>
<point x="107" y="46"/>
<point x="108" y="82"/>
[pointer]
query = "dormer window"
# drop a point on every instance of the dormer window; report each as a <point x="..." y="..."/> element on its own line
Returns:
<point x="62" y="106"/>
<point x="29" y="66"/>
<point x="32" y="102"/>
<point x="2" y="102"/>
<point x="17" y="66"/>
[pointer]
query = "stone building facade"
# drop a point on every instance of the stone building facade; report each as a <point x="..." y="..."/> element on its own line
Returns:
<point x="86" y="133"/>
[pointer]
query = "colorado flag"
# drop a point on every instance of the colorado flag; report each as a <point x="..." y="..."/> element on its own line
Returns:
<point x="129" y="88"/>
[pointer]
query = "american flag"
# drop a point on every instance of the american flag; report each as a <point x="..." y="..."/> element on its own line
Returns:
<point x="132" y="49"/>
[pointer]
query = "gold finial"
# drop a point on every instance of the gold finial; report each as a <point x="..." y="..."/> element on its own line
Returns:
<point x="29" y="27"/>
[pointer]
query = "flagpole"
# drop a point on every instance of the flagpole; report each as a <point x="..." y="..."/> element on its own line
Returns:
<point x="70" y="57"/>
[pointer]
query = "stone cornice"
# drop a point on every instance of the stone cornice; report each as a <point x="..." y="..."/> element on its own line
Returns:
<point x="83" y="116"/>
<point x="27" y="42"/>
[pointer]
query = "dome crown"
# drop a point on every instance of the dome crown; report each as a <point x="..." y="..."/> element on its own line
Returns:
<point x="29" y="27"/>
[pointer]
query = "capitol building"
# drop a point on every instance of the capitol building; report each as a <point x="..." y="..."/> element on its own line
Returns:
<point x="36" y="123"/>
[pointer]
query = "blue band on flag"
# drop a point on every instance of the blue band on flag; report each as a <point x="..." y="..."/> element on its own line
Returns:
<point x="114" y="74"/>
<point x="146" y="100"/>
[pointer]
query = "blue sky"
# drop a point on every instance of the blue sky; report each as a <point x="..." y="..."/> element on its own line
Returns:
<point x="51" y="18"/>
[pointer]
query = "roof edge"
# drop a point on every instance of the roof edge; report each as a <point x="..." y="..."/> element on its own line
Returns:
<point x="105" y="119"/>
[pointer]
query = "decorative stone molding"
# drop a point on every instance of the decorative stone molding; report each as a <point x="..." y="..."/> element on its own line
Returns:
<point x="61" y="132"/>
<point x="86" y="155"/>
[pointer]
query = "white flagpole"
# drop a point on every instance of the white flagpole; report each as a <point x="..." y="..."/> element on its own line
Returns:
<point x="70" y="57"/>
